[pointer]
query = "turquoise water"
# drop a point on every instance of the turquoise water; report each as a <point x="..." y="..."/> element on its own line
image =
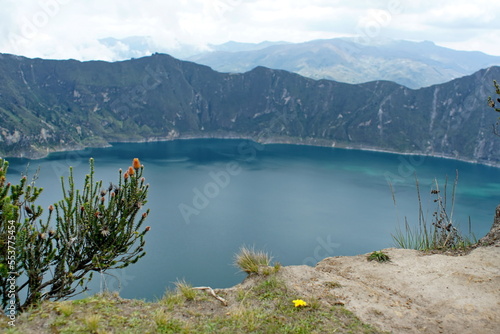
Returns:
<point x="299" y="203"/>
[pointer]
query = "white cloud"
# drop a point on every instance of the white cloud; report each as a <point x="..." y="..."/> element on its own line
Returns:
<point x="71" y="28"/>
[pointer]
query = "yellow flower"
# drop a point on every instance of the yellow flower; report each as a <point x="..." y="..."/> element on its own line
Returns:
<point x="299" y="302"/>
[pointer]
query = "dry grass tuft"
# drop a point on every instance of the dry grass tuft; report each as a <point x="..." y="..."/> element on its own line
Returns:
<point x="249" y="260"/>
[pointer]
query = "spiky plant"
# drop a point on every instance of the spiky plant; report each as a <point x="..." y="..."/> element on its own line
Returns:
<point x="89" y="230"/>
<point x="442" y="233"/>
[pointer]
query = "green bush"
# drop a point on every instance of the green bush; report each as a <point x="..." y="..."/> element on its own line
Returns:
<point x="89" y="230"/>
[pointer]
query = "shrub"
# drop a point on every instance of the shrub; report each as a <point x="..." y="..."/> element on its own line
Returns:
<point x="89" y="230"/>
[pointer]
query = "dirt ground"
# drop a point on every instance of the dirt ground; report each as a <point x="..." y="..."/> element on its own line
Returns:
<point x="413" y="293"/>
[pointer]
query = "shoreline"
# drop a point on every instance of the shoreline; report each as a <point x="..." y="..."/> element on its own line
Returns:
<point x="275" y="141"/>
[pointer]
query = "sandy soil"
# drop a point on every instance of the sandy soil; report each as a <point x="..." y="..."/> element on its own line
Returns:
<point x="413" y="293"/>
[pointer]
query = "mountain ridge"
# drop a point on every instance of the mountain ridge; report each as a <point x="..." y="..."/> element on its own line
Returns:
<point x="413" y="64"/>
<point x="53" y="105"/>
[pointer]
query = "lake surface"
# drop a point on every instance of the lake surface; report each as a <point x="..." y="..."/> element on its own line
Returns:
<point x="299" y="203"/>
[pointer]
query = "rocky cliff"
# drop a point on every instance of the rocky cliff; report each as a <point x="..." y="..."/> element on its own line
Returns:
<point x="49" y="105"/>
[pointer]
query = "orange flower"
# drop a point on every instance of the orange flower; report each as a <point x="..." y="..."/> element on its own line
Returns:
<point x="131" y="171"/>
<point x="136" y="163"/>
<point x="125" y="175"/>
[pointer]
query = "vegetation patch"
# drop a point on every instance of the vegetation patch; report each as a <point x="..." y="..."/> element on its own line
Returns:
<point x="250" y="261"/>
<point x="441" y="233"/>
<point x="333" y="285"/>
<point x="93" y="229"/>
<point x="186" y="290"/>
<point x="265" y="306"/>
<point x="378" y="256"/>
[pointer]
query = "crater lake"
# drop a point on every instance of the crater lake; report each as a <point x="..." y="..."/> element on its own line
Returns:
<point x="209" y="197"/>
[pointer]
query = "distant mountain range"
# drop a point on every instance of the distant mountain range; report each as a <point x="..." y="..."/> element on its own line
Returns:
<point x="241" y="47"/>
<point x="53" y="105"/>
<point x="412" y="64"/>
<point x="142" y="46"/>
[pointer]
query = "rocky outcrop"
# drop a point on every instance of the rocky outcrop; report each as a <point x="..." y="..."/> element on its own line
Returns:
<point x="493" y="236"/>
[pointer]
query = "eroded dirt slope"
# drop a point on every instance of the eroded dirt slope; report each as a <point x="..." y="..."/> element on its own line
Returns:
<point x="413" y="293"/>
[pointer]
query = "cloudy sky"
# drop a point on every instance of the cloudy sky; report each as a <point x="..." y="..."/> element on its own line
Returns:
<point x="63" y="29"/>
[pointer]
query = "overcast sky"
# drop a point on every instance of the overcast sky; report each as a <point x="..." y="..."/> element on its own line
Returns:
<point x="63" y="29"/>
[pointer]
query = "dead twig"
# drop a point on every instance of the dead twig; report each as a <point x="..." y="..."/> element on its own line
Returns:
<point x="212" y="292"/>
